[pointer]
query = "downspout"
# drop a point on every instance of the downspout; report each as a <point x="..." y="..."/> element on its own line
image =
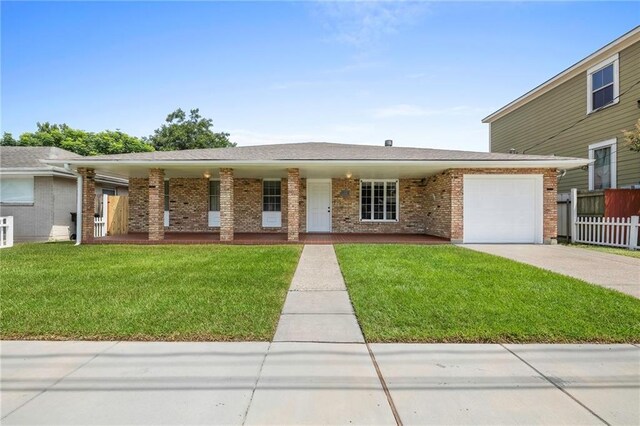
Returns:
<point x="78" y="204"/>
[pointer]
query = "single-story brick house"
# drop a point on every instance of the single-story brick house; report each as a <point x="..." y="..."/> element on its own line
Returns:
<point x="302" y="188"/>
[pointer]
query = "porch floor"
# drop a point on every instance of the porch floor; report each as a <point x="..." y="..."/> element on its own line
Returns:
<point x="271" y="238"/>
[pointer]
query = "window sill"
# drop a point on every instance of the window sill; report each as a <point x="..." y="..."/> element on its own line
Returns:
<point x="378" y="221"/>
<point x="615" y="102"/>
<point x="9" y="204"/>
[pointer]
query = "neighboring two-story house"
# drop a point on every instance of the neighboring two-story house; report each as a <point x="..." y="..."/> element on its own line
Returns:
<point x="580" y="112"/>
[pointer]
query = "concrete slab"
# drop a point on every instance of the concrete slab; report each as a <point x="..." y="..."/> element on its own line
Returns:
<point x="317" y="302"/>
<point x="337" y="328"/>
<point x="606" y="378"/>
<point x="27" y="368"/>
<point x="316" y="383"/>
<point x="471" y="384"/>
<point x="153" y="383"/>
<point x="613" y="271"/>
<point x="318" y="270"/>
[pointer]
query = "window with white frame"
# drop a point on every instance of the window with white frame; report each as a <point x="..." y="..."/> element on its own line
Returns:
<point x="603" y="84"/>
<point x="271" y="196"/>
<point x="18" y="190"/>
<point x="214" y="196"/>
<point x="602" y="172"/>
<point x="379" y="200"/>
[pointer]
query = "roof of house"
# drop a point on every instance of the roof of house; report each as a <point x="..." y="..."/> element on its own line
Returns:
<point x="17" y="157"/>
<point x="313" y="151"/>
<point x="43" y="161"/>
<point x="603" y="53"/>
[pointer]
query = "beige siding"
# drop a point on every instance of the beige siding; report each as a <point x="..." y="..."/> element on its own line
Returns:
<point x="562" y="106"/>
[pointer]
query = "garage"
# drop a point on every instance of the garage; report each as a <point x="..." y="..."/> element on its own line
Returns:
<point x="502" y="209"/>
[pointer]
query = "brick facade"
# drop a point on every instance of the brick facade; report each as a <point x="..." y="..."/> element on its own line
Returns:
<point x="346" y="208"/>
<point x="293" y="204"/>
<point x="433" y="205"/>
<point x="450" y="185"/>
<point x="156" y="204"/>
<point x="226" y="205"/>
<point x="88" y="202"/>
<point x="138" y="204"/>
<point x="188" y="205"/>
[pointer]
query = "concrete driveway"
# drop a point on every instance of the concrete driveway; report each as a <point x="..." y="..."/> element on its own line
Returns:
<point x="620" y="273"/>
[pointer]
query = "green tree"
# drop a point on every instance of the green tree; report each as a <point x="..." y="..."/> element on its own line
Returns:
<point x="180" y="132"/>
<point x="8" y="140"/>
<point x="79" y="141"/>
<point x="632" y="137"/>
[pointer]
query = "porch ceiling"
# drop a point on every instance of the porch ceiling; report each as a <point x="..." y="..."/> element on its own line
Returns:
<point x="268" y="171"/>
<point x="313" y="169"/>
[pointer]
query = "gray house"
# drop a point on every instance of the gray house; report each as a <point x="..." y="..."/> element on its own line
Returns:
<point x="41" y="197"/>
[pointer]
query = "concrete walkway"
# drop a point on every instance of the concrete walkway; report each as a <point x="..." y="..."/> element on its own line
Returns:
<point x="150" y="383"/>
<point x="613" y="271"/>
<point x="317" y="308"/>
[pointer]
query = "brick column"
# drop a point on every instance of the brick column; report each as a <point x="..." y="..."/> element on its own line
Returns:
<point x="226" y="205"/>
<point x="293" y="205"/>
<point x="88" y="202"/>
<point x="156" y="204"/>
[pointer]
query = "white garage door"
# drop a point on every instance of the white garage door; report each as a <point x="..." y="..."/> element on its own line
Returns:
<point x="502" y="209"/>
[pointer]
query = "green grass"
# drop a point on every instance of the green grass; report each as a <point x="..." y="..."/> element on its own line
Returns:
<point x="610" y="250"/>
<point x="404" y="293"/>
<point x="60" y="291"/>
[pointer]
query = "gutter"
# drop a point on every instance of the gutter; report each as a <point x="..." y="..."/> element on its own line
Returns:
<point x="78" y="204"/>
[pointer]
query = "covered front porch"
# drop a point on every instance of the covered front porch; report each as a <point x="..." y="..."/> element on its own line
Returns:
<point x="196" y="204"/>
<point x="254" y="238"/>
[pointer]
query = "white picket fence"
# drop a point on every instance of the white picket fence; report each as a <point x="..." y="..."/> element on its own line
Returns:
<point x="6" y="231"/>
<point x="607" y="231"/>
<point x="603" y="231"/>
<point x="99" y="227"/>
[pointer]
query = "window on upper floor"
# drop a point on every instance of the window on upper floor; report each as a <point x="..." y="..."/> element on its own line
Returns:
<point x="602" y="172"/>
<point x="603" y="84"/>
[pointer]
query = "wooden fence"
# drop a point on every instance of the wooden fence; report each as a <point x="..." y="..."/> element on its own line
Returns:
<point x="117" y="215"/>
<point x="600" y="230"/>
<point x="112" y="217"/>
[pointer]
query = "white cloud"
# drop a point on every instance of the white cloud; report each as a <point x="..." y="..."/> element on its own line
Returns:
<point x="407" y="110"/>
<point x="360" y="23"/>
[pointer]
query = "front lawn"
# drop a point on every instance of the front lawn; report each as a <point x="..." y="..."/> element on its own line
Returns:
<point x="207" y="292"/>
<point x="404" y="293"/>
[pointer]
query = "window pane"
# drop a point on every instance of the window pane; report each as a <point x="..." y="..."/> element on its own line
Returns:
<point x="607" y="75"/>
<point x="166" y="195"/>
<point x="16" y="190"/>
<point x="365" y="200"/>
<point x="391" y="201"/>
<point x="597" y="80"/>
<point x="214" y="196"/>
<point x="603" y="97"/>
<point x="271" y="196"/>
<point x="378" y="200"/>
<point x="602" y="168"/>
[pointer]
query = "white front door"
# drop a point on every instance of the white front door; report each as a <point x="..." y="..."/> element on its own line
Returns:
<point x="319" y="206"/>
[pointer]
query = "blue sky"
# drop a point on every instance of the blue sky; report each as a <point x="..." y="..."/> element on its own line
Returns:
<point x="423" y="74"/>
